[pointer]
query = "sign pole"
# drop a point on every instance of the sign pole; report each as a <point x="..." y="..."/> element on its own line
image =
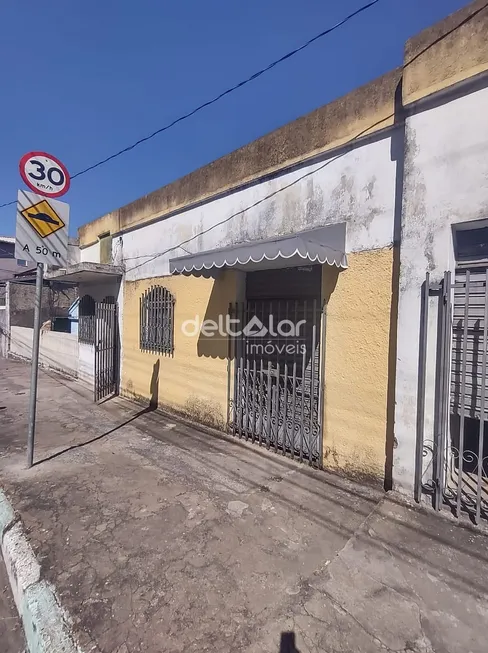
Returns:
<point x="41" y="235"/>
<point x="35" y="365"/>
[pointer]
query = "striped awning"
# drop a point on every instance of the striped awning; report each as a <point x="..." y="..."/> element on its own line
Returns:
<point x="323" y="245"/>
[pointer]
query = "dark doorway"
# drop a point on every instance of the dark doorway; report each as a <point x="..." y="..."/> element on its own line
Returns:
<point x="277" y="398"/>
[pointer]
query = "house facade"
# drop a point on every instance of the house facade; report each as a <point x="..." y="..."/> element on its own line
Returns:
<point x="216" y="211"/>
<point x="280" y="293"/>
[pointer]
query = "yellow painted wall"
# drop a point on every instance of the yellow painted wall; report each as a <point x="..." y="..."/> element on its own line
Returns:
<point x="356" y="363"/>
<point x="194" y="379"/>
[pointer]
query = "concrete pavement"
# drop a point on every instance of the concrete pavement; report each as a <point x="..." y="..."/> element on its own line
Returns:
<point x="158" y="537"/>
<point x="11" y="635"/>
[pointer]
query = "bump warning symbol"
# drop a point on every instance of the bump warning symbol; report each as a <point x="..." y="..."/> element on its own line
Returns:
<point x="43" y="218"/>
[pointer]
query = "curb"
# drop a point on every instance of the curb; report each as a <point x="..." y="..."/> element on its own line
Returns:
<point x="45" y="623"/>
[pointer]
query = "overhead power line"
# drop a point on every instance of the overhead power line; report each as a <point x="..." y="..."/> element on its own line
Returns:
<point x="228" y="91"/>
<point x="345" y="148"/>
<point x="218" y="97"/>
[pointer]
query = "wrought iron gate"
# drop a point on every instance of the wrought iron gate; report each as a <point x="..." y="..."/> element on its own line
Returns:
<point x="106" y="349"/>
<point x="452" y="463"/>
<point x="276" y="376"/>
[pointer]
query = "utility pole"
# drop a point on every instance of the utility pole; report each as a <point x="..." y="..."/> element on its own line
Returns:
<point x="35" y="364"/>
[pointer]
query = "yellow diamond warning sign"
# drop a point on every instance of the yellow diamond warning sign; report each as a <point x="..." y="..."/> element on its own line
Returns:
<point x="43" y="218"/>
<point x="41" y="229"/>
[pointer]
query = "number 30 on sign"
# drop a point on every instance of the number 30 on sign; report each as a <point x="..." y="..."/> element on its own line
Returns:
<point x="44" y="174"/>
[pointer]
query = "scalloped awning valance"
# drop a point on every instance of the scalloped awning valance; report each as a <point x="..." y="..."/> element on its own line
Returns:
<point x="323" y="245"/>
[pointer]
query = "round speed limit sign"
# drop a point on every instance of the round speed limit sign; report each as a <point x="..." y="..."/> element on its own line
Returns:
<point x="44" y="174"/>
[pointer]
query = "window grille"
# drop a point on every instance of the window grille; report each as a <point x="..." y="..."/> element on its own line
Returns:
<point x="157" y="320"/>
<point x="86" y="320"/>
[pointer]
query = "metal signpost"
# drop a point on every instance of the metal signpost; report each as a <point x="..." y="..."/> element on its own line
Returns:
<point x="41" y="235"/>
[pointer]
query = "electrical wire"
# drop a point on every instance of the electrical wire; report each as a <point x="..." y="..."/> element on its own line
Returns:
<point x="221" y="95"/>
<point x="349" y="144"/>
<point x="345" y="146"/>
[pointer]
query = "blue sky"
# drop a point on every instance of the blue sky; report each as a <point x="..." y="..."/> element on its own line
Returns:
<point x="81" y="80"/>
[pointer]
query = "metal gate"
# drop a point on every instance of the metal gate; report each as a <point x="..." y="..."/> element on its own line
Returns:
<point x="452" y="465"/>
<point x="276" y="376"/>
<point x="106" y="349"/>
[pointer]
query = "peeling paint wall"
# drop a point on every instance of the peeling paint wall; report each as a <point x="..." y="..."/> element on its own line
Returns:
<point x="194" y="380"/>
<point x="356" y="363"/>
<point x="357" y="186"/>
<point x="446" y="182"/>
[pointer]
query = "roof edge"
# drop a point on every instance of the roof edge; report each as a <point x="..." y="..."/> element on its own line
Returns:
<point x="361" y="113"/>
<point x="440" y="57"/>
<point x="451" y="51"/>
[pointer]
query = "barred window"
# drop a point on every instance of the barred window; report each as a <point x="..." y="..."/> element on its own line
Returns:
<point x="157" y="320"/>
<point x="3" y="295"/>
<point x="86" y="320"/>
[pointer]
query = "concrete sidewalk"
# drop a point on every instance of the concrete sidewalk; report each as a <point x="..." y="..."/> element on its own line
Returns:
<point x="159" y="537"/>
<point x="11" y="635"/>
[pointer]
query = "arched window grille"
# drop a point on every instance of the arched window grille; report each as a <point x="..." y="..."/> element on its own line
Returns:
<point x="86" y="320"/>
<point x="157" y="320"/>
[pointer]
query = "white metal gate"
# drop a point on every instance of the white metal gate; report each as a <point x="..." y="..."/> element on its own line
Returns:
<point x="452" y="466"/>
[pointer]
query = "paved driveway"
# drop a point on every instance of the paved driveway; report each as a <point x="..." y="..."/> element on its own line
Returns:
<point x="159" y="537"/>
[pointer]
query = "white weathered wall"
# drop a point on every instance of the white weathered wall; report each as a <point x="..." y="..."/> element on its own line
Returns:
<point x="74" y="254"/>
<point x="357" y="187"/>
<point x="86" y="362"/>
<point x="57" y="351"/>
<point x="90" y="254"/>
<point x="446" y="182"/>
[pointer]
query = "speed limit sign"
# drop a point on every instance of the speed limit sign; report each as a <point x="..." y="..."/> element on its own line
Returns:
<point x="44" y="174"/>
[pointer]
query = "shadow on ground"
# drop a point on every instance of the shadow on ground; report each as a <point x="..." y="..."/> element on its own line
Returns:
<point x="146" y="526"/>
